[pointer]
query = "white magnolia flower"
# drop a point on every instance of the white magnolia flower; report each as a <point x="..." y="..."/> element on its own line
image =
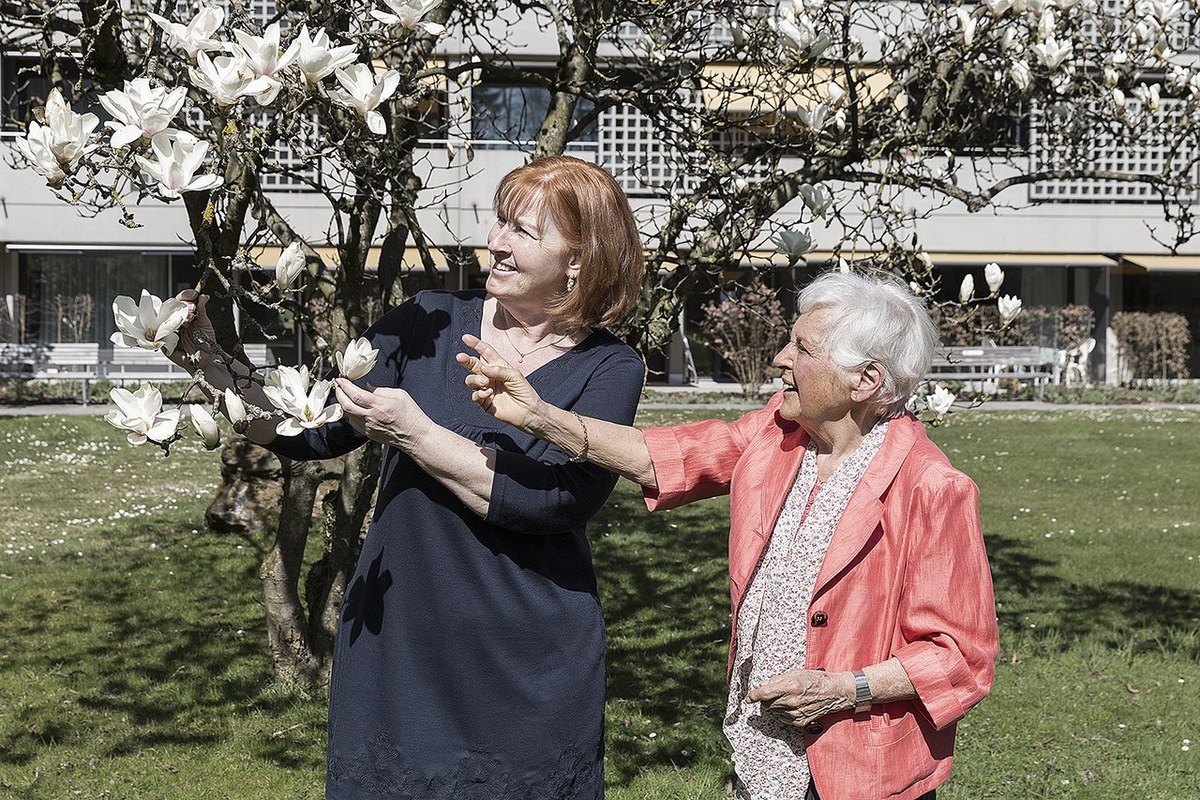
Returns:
<point x="940" y="401"/>
<point x="205" y="425"/>
<point x="1177" y="78"/>
<point x="836" y="94"/>
<point x="1111" y="76"/>
<point x="364" y="92"/>
<point x="357" y="361"/>
<point x="1162" y="11"/>
<point x="141" y="414"/>
<point x="1118" y="100"/>
<point x="799" y="34"/>
<point x="794" y="244"/>
<point x="966" y="289"/>
<point x="1009" y="307"/>
<point x="176" y="159"/>
<point x="998" y="7"/>
<point x="196" y="36"/>
<point x="55" y="149"/>
<point x="408" y="14"/>
<point x="151" y="324"/>
<point x="1047" y="24"/>
<point x="265" y="59"/>
<point x="1052" y="54"/>
<point x="290" y="264"/>
<point x="994" y="276"/>
<point x="235" y="408"/>
<point x="816" y="199"/>
<point x="1150" y="96"/>
<point x="141" y="110"/>
<point x="224" y="78"/>
<point x="316" y="59"/>
<point x="966" y="25"/>
<point x="1010" y="40"/>
<point x="302" y="401"/>
<point x="815" y="117"/>
<point x="1021" y="75"/>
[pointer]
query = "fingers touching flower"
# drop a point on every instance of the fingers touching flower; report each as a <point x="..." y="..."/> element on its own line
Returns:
<point x="301" y="400"/>
<point x="177" y="158"/>
<point x="141" y="110"/>
<point x="205" y="425"/>
<point x="364" y="92"/>
<point x="151" y="324"/>
<point x="290" y="264"/>
<point x="141" y="413"/>
<point x="357" y="361"/>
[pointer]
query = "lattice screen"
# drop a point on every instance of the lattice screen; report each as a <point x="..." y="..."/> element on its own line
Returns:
<point x="1104" y="150"/>
<point x="631" y="150"/>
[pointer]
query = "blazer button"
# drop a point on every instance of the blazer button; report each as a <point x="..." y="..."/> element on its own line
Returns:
<point x="814" y="729"/>
<point x="819" y="619"/>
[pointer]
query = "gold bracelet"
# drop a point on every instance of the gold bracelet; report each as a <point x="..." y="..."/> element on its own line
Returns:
<point x="583" y="451"/>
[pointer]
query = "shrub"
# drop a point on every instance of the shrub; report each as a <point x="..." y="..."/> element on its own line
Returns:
<point x="747" y="328"/>
<point x="1152" y="346"/>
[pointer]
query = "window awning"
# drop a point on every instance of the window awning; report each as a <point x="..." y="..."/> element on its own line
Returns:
<point x="1162" y="263"/>
<point x="960" y="259"/>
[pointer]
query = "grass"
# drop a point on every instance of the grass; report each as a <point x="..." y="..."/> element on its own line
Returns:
<point x="134" y="666"/>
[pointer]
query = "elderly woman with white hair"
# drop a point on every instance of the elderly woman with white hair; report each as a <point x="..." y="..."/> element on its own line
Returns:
<point x="864" y="625"/>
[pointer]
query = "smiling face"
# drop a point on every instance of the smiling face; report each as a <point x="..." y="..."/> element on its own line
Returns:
<point x="531" y="259"/>
<point x="816" y="389"/>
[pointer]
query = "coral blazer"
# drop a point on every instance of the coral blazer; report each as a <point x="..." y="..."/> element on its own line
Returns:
<point x="905" y="576"/>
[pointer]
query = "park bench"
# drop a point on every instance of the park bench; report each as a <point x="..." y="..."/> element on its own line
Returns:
<point x="56" y="361"/>
<point x="136" y="364"/>
<point x="987" y="365"/>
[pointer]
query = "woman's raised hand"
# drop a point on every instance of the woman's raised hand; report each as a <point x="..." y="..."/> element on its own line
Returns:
<point x="496" y="387"/>
<point x="197" y="332"/>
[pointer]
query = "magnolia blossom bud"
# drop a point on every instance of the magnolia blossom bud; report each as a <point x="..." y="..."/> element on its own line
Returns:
<point x="205" y="426"/>
<point x="994" y="276"/>
<point x="235" y="409"/>
<point x="290" y="264"/>
<point x="967" y="289"/>
<point x="357" y="361"/>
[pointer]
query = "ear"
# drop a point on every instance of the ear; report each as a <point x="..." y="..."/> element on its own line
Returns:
<point x="573" y="266"/>
<point x="868" y="383"/>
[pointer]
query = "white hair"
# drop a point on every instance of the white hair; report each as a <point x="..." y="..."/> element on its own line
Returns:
<point x="875" y="319"/>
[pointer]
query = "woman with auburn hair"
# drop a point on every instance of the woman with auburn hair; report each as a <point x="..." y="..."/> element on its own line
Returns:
<point x="469" y="660"/>
<point x="863" y="621"/>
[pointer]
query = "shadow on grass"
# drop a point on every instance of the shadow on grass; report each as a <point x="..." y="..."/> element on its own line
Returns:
<point x="1120" y="615"/>
<point x="150" y="658"/>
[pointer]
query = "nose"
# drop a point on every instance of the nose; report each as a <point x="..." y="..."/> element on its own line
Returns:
<point x="496" y="239"/>
<point x="783" y="359"/>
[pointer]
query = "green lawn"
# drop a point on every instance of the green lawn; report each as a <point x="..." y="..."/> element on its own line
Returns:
<point x="133" y="663"/>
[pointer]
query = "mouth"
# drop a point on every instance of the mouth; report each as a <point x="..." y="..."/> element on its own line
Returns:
<point x="498" y="267"/>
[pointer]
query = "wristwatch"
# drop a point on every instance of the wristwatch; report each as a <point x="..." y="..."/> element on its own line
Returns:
<point x="862" y="691"/>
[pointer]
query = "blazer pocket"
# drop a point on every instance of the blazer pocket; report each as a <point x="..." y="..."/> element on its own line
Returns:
<point x="900" y="754"/>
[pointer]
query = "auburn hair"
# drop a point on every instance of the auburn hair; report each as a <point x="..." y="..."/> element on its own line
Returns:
<point x="592" y="213"/>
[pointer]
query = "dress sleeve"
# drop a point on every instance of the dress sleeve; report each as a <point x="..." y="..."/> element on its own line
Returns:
<point x="553" y="494"/>
<point x="389" y="336"/>
<point x="947" y="612"/>
<point x="696" y="461"/>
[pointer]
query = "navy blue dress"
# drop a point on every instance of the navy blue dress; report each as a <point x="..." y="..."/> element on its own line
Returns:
<point x="469" y="662"/>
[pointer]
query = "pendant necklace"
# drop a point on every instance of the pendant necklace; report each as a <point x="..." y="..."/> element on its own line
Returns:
<point x="522" y="354"/>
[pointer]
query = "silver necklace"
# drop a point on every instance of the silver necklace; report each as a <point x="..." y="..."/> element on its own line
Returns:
<point x="521" y="354"/>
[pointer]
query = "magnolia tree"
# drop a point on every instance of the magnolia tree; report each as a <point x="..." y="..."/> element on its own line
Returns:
<point x="858" y="120"/>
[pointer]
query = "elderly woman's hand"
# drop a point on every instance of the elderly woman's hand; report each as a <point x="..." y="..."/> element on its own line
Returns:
<point x="496" y="387"/>
<point x="388" y="416"/>
<point x="804" y="695"/>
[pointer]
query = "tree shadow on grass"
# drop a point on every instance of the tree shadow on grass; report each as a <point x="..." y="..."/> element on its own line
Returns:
<point x="1117" y="614"/>
<point x="664" y="585"/>
<point x="151" y="658"/>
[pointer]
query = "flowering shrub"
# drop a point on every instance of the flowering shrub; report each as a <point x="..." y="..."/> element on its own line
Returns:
<point x="747" y="328"/>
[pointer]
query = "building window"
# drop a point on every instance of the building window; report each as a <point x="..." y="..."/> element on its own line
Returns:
<point x="513" y="113"/>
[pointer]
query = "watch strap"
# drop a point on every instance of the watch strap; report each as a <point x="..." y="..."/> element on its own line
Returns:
<point x="862" y="691"/>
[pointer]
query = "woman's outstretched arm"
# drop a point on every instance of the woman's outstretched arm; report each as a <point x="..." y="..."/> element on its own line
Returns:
<point x="504" y="393"/>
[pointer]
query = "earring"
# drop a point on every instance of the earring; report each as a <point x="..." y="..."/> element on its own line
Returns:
<point x="570" y="283"/>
